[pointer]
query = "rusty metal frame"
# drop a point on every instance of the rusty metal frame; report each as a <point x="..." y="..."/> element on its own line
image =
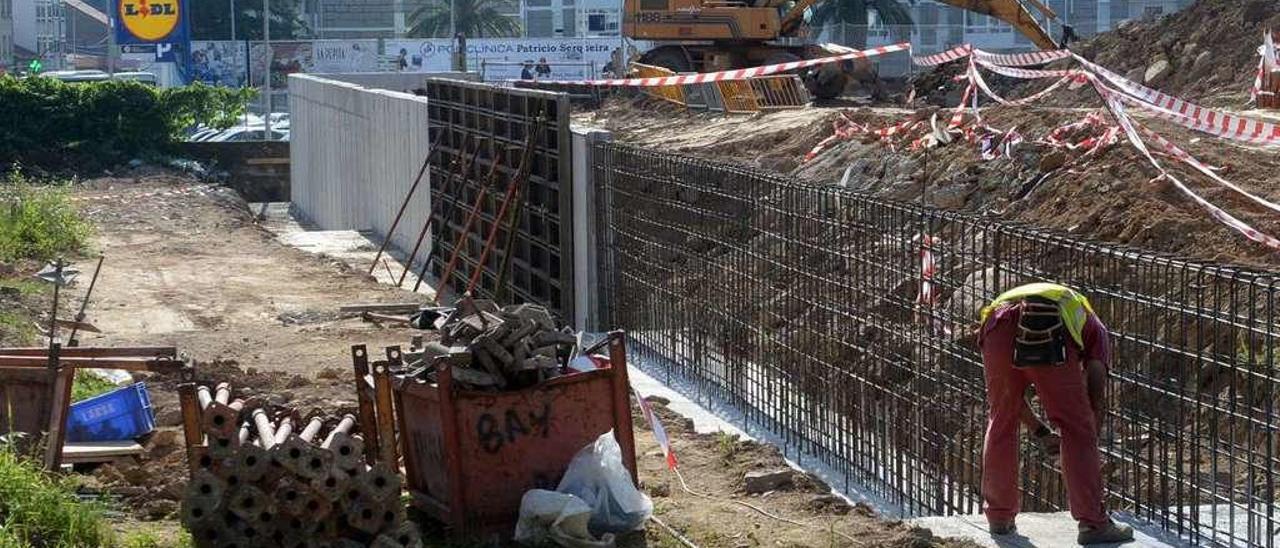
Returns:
<point x="501" y="119"/>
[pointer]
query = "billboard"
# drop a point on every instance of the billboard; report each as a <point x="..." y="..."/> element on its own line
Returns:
<point x="509" y="58"/>
<point x="220" y="62"/>
<point x="309" y="57"/>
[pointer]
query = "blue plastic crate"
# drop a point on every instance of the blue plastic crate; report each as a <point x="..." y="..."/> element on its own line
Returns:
<point x="122" y="414"/>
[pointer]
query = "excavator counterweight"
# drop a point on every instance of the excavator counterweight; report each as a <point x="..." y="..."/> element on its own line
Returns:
<point x="712" y="35"/>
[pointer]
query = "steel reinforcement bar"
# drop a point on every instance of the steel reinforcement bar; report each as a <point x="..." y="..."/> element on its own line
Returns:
<point x="844" y="323"/>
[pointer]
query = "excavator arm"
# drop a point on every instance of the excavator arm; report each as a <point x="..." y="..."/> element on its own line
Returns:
<point x="1014" y="13"/>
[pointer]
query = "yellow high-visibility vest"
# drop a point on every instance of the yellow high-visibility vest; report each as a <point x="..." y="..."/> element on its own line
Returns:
<point x="1073" y="306"/>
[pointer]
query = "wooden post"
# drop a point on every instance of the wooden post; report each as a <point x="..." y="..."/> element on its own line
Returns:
<point x="61" y="403"/>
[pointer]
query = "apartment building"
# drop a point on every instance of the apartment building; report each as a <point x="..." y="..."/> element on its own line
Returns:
<point x="7" y="62"/>
<point x="39" y="27"/>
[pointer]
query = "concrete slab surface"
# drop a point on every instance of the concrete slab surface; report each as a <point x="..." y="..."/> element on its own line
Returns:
<point x="1038" y="530"/>
<point x="352" y="247"/>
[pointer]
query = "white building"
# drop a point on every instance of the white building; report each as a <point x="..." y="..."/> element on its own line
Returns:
<point x="39" y="26"/>
<point x="6" y="36"/>
<point x="939" y="26"/>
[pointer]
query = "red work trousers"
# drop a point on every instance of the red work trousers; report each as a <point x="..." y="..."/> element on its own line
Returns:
<point x="1063" y="393"/>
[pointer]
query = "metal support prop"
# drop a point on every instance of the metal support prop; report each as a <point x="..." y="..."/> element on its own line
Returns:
<point x="71" y="339"/>
<point x="421" y="172"/>
<point x="422" y="234"/>
<point x="190" y="424"/>
<point x="526" y="165"/>
<point x="466" y="229"/>
<point x="387" y="450"/>
<point x="368" y="420"/>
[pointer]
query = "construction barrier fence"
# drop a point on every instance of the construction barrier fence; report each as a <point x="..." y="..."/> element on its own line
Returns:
<point x="844" y="324"/>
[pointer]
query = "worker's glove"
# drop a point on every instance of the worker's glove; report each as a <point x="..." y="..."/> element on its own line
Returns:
<point x="1049" y="442"/>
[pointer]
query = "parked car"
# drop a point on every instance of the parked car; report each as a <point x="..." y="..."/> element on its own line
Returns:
<point x="249" y="133"/>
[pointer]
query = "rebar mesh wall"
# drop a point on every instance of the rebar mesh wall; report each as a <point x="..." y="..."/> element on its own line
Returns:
<point x="802" y="305"/>
<point x="478" y="125"/>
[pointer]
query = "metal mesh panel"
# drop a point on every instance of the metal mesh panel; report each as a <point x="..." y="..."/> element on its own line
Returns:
<point x="482" y="124"/>
<point x="802" y="306"/>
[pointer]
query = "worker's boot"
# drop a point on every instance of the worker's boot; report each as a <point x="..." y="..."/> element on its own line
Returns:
<point x="1002" y="528"/>
<point x="1110" y="533"/>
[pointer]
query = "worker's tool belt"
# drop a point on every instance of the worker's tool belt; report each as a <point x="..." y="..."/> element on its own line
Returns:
<point x="1041" y="339"/>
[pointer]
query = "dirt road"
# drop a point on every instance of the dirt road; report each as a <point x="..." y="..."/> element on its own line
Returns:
<point x="190" y="265"/>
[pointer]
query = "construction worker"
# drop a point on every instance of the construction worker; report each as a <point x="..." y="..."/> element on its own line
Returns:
<point x="1046" y="335"/>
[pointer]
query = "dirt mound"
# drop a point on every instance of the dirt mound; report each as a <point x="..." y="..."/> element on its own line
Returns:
<point x="1210" y="47"/>
<point x="1107" y="196"/>
<point x="1207" y="52"/>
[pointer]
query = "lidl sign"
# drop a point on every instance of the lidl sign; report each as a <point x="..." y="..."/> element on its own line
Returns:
<point x="150" y="21"/>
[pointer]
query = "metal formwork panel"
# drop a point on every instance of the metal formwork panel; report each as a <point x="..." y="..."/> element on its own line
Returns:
<point x="477" y="125"/>
<point x="695" y="96"/>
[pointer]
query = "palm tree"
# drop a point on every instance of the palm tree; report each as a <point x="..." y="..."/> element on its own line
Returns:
<point x="474" y="19"/>
<point x="854" y="13"/>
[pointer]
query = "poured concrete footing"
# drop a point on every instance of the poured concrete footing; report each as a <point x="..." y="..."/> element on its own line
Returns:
<point x="1056" y="530"/>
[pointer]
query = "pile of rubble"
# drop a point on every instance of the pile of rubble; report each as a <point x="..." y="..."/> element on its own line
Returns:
<point x="493" y="348"/>
<point x="281" y="479"/>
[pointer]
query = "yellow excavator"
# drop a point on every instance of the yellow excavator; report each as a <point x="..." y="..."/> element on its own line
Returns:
<point x="713" y="35"/>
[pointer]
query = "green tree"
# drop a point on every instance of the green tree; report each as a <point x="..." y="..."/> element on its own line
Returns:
<point x="853" y="16"/>
<point x="211" y="20"/>
<point x="474" y="18"/>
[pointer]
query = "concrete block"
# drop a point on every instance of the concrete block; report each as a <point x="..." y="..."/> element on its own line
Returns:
<point x="763" y="482"/>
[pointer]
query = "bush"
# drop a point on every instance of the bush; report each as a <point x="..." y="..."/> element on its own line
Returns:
<point x="54" y="125"/>
<point x="38" y="221"/>
<point x="37" y="509"/>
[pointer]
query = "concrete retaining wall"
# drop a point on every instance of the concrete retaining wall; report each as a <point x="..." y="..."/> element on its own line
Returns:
<point x="354" y="154"/>
<point x="259" y="170"/>
<point x="396" y="81"/>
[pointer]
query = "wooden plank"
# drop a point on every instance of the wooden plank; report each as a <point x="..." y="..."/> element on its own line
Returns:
<point x="94" y="351"/>
<point x="127" y="364"/>
<point x="376" y="317"/>
<point x="384" y="308"/>
<point x="266" y="161"/>
<point x="99" y="451"/>
<point x="61" y="404"/>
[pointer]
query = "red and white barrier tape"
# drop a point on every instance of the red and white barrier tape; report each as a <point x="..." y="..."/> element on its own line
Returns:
<point x="1021" y="59"/>
<point x="1092" y="143"/>
<point x="659" y="432"/>
<point x="844" y="129"/>
<point x="1183" y="156"/>
<point x="1117" y="108"/>
<point x="982" y="84"/>
<point x="1025" y="74"/>
<point x="953" y="54"/>
<point x="957" y="118"/>
<point x="928" y="268"/>
<point x="739" y="74"/>
<point x="1005" y="59"/>
<point x="1266" y="64"/>
<point x="1257" y="81"/>
<point x="1191" y="115"/>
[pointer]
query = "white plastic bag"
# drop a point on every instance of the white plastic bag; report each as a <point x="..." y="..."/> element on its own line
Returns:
<point x="560" y="518"/>
<point x="596" y="475"/>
